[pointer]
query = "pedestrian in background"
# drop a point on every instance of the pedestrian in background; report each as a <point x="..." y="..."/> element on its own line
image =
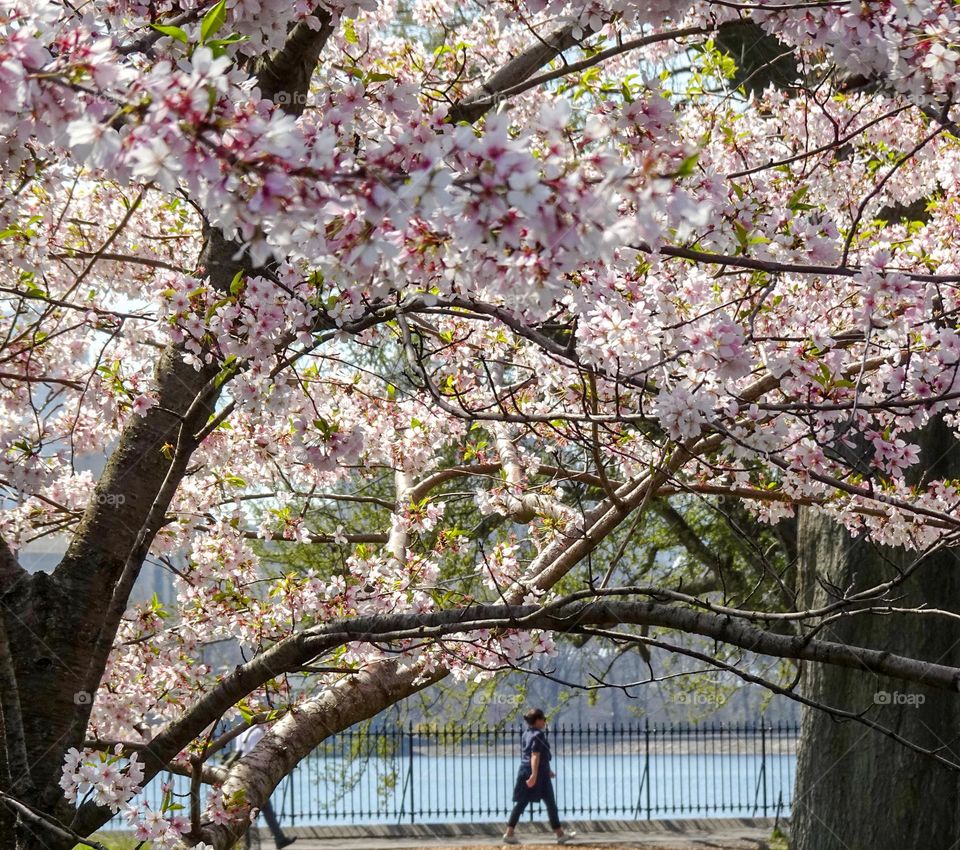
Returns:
<point x="534" y="778"/>
<point x="244" y="744"/>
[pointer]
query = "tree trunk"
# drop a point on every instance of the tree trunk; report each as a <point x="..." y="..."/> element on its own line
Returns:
<point x="857" y="789"/>
<point x="57" y="630"/>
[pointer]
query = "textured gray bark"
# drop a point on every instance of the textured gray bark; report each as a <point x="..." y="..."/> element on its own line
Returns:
<point x="856" y="789"/>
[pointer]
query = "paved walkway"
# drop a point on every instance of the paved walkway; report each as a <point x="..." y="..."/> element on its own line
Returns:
<point x="728" y="833"/>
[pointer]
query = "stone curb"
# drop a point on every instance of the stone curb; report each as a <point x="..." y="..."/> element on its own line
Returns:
<point x="677" y="827"/>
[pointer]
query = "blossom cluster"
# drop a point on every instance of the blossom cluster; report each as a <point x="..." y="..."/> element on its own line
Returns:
<point x="652" y="274"/>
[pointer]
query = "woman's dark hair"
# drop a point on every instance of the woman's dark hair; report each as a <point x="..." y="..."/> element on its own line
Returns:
<point x="533" y="715"/>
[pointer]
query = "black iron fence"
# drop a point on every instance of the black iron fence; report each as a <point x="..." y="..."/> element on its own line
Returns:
<point x="461" y="772"/>
<point x="466" y="773"/>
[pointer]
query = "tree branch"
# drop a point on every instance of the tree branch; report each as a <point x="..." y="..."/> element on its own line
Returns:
<point x="476" y="105"/>
<point x="560" y="617"/>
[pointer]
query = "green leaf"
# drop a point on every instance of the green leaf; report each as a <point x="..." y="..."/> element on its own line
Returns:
<point x="741" y="232"/>
<point x="794" y="202"/>
<point x="216" y="306"/>
<point x="236" y="38"/>
<point x="212" y="21"/>
<point x="687" y="166"/>
<point x="156" y="606"/>
<point x="218" y="45"/>
<point x="349" y="32"/>
<point x="173" y="32"/>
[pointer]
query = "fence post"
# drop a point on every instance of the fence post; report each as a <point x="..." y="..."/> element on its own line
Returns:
<point x="763" y="763"/>
<point x="645" y="774"/>
<point x="646" y="767"/>
<point x="762" y="773"/>
<point x="410" y="771"/>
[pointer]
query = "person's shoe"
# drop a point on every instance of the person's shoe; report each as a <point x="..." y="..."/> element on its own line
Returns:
<point x="285" y="842"/>
<point x="510" y="839"/>
<point x="566" y="837"/>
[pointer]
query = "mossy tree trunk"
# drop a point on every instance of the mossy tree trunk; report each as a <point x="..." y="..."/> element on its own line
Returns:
<point x="857" y="789"/>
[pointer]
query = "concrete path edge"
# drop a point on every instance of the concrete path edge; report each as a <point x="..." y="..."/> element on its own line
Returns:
<point x="677" y="827"/>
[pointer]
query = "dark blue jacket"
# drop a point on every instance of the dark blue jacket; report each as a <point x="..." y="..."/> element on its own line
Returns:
<point x="533" y="741"/>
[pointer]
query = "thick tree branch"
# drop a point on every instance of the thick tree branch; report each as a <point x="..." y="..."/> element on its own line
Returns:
<point x="773" y="266"/>
<point x="560" y="617"/>
<point x="564" y="618"/>
<point x="516" y="71"/>
<point x="381" y="685"/>
<point x="597" y="58"/>
<point x="284" y="77"/>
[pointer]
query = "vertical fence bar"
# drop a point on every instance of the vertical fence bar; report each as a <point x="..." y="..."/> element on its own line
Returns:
<point x="344" y="761"/>
<point x="646" y="768"/>
<point x="362" y="752"/>
<point x="623" y="785"/>
<point x="394" y="769"/>
<point x="410" y="773"/>
<point x="693" y="762"/>
<point x="709" y="767"/>
<point x="763" y="763"/>
<point x="463" y="765"/>
<point x="588" y="754"/>
<point x="491" y="804"/>
<point x="728" y="773"/>
<point x="602" y="771"/>
<point x="627" y="751"/>
<point x="470" y="770"/>
<point x="741" y="774"/>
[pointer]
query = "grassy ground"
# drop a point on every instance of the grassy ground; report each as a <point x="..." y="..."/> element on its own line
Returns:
<point x="778" y="841"/>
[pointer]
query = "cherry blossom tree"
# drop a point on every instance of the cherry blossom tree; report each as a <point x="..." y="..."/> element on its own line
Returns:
<point x="579" y="264"/>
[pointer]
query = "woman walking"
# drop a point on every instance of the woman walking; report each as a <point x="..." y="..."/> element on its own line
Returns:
<point x="534" y="778"/>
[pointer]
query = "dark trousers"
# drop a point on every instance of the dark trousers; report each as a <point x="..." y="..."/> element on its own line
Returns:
<point x="272" y="824"/>
<point x="549" y="800"/>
